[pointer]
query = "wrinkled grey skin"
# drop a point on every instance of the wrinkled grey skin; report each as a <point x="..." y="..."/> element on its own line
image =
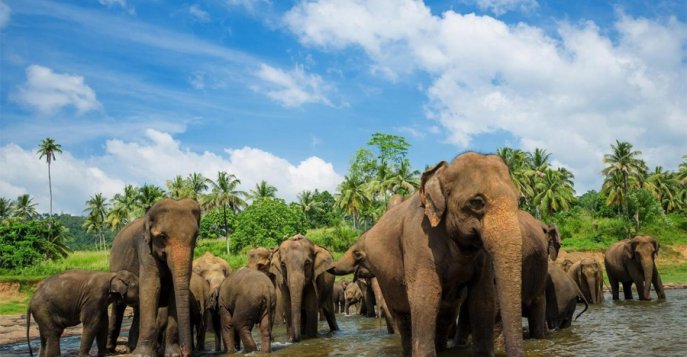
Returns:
<point x="338" y="297"/>
<point x="247" y="298"/>
<point x="78" y="296"/>
<point x="633" y="261"/>
<point x="259" y="259"/>
<point x="561" y="298"/>
<point x="200" y="295"/>
<point x="354" y="297"/>
<point x="158" y="247"/>
<point x="588" y="276"/>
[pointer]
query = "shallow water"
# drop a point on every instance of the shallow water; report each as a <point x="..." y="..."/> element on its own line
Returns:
<point x="644" y="328"/>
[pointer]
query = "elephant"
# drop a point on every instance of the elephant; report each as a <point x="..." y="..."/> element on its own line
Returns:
<point x="447" y="236"/>
<point x="588" y="276"/>
<point x="78" y="296"/>
<point x="200" y="295"/>
<point x="382" y="309"/>
<point x="300" y="270"/>
<point x="394" y="200"/>
<point x="540" y="243"/>
<point x="354" y="297"/>
<point x="246" y="298"/>
<point x="634" y="261"/>
<point x="213" y="270"/>
<point x="561" y="298"/>
<point x="368" y="303"/>
<point x="338" y="297"/>
<point x="158" y="247"/>
<point x="565" y="264"/>
<point x="259" y="259"/>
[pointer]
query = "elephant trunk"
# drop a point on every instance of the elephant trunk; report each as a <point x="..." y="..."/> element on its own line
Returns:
<point x="345" y="265"/>
<point x="296" y="292"/>
<point x="591" y="285"/>
<point x="179" y="262"/>
<point x="503" y="241"/>
<point x="648" y="268"/>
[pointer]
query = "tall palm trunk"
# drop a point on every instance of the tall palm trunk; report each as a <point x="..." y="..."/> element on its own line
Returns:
<point x="50" y="189"/>
<point x="503" y="241"/>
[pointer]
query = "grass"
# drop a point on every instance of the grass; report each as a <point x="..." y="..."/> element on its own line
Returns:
<point x="88" y="260"/>
<point x="673" y="273"/>
<point x="15" y="305"/>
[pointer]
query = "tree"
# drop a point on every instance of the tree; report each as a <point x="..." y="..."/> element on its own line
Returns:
<point x="518" y="166"/>
<point x="405" y="180"/>
<point x="96" y="211"/>
<point x="148" y="195"/>
<point x="125" y="207"/>
<point x="352" y="198"/>
<point x="664" y="186"/>
<point x="24" y="207"/>
<point x="262" y="190"/>
<point x="178" y="188"/>
<point x="225" y="195"/>
<point x="555" y="192"/>
<point x="26" y="242"/>
<point x="198" y="184"/>
<point x="48" y="148"/>
<point x="6" y="208"/>
<point x="309" y="205"/>
<point x="625" y="162"/>
<point x="392" y="149"/>
<point x="266" y="223"/>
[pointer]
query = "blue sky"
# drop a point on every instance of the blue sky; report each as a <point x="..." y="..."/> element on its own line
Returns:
<point x="139" y="91"/>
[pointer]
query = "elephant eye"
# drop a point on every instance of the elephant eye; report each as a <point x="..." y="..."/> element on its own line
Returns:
<point x="476" y="203"/>
<point x="307" y="262"/>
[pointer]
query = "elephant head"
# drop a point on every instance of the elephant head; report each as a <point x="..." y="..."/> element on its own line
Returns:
<point x="124" y="287"/>
<point x="473" y="198"/>
<point x="553" y="238"/>
<point x="590" y="273"/>
<point x="643" y="250"/>
<point x="296" y="263"/>
<point x="259" y="259"/>
<point x="171" y="229"/>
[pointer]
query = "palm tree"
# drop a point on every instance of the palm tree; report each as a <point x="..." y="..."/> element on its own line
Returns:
<point x="555" y="191"/>
<point x="352" y="197"/>
<point x="309" y="204"/>
<point x="117" y="217"/>
<point x="682" y="171"/>
<point x="178" y="188"/>
<point x="627" y="164"/>
<point x="96" y="209"/>
<point x="226" y="195"/>
<point x="612" y="188"/>
<point x="262" y="190"/>
<point x="198" y="184"/>
<point x="48" y="148"/>
<point x="664" y="186"/>
<point x="405" y="180"/>
<point x="518" y="166"/>
<point x="148" y="195"/>
<point x="127" y="204"/>
<point x="24" y="207"/>
<point x="6" y="208"/>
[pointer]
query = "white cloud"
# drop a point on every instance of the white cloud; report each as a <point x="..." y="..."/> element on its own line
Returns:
<point x="198" y="13"/>
<point x="573" y="94"/>
<point x="500" y="7"/>
<point x="157" y="158"/>
<point x="47" y="91"/>
<point x="5" y="13"/>
<point x="110" y="3"/>
<point x="293" y="88"/>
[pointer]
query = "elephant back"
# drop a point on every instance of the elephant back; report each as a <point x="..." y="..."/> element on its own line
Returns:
<point x="124" y="251"/>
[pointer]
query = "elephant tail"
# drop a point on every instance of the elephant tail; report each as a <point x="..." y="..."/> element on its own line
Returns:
<point x="28" y="325"/>
<point x="584" y="300"/>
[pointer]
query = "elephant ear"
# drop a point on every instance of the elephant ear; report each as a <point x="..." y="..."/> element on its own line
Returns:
<point x="554" y="241"/>
<point x="432" y="194"/>
<point x="147" y="236"/>
<point x="118" y="286"/>
<point x="323" y="261"/>
<point x="657" y="246"/>
<point x="275" y="267"/>
<point x="629" y="249"/>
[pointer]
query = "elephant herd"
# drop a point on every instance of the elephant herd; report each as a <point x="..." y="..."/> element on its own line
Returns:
<point x="456" y="259"/>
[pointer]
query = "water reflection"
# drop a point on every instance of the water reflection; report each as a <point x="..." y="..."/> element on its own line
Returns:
<point x="645" y="328"/>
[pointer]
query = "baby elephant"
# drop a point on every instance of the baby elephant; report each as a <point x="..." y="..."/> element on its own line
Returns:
<point x="78" y="296"/>
<point x="246" y="298"/>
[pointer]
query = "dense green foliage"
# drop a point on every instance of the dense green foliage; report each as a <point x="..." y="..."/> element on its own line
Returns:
<point x="266" y="223"/>
<point x="26" y="242"/>
<point x="337" y="239"/>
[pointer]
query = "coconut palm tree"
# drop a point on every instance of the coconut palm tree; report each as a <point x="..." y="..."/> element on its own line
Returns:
<point x="682" y="171"/>
<point x="24" y="207"/>
<point x="309" y="205"/>
<point x="520" y="172"/>
<point x="352" y="197"/>
<point x="405" y="180"/>
<point x="225" y="195"/>
<point x="96" y="211"/>
<point x="6" y="208"/>
<point x="664" y="186"/>
<point x="198" y="184"/>
<point x="48" y="148"/>
<point x="148" y="195"/>
<point x="178" y="188"/>
<point x="555" y="192"/>
<point x="127" y="203"/>
<point x="626" y="162"/>
<point x="262" y="190"/>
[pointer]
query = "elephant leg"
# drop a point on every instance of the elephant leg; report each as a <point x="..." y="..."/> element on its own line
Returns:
<point x="52" y="345"/>
<point x="424" y="307"/>
<point x="217" y="328"/>
<point x="615" y="287"/>
<point x="536" y="319"/>
<point x="658" y="284"/>
<point x="346" y="308"/>
<point x="482" y="314"/>
<point x="247" y="338"/>
<point x="44" y="348"/>
<point x="329" y="314"/>
<point x="404" y="329"/>
<point x="149" y="294"/>
<point x="390" y="324"/>
<point x="444" y="322"/>
<point x="133" y="330"/>
<point x="627" y="290"/>
<point x="463" y="327"/>
<point x="266" y="333"/>
<point x="115" y="325"/>
<point x="227" y="330"/>
<point x="172" y="347"/>
<point x="87" y="337"/>
<point x="101" y="336"/>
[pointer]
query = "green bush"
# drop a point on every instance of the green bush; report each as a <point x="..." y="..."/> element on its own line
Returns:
<point x="266" y="223"/>
<point x="212" y="224"/>
<point x="24" y="243"/>
<point x="337" y="239"/>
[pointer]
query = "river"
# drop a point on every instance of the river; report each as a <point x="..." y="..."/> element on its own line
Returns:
<point x="643" y="328"/>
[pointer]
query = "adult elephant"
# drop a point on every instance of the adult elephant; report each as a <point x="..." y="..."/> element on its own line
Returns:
<point x="633" y="261"/>
<point x="561" y="298"/>
<point x="449" y="235"/>
<point x="259" y="259"/>
<point x="158" y="247"/>
<point x="588" y="276"/>
<point x="213" y="270"/>
<point x="300" y="270"/>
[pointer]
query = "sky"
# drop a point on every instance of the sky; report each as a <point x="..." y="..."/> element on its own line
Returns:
<point x="286" y="91"/>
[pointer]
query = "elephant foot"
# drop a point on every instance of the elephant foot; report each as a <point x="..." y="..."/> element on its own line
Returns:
<point x="144" y="351"/>
<point x="172" y="350"/>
